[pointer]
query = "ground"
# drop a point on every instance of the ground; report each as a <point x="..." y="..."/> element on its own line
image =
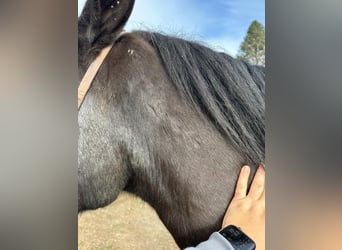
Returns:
<point x="126" y="224"/>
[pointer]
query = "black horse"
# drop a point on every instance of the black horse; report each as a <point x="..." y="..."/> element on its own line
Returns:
<point x="168" y="120"/>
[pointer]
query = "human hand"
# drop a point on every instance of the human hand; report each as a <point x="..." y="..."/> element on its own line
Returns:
<point x="247" y="211"/>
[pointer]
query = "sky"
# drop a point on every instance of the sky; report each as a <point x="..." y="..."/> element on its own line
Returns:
<point x="219" y="24"/>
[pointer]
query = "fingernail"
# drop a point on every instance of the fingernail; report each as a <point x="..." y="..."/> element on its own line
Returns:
<point x="262" y="166"/>
<point x="245" y="168"/>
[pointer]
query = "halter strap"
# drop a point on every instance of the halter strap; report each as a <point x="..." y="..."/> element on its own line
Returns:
<point x="90" y="74"/>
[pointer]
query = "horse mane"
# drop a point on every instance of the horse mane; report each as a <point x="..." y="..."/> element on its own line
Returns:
<point x="230" y="92"/>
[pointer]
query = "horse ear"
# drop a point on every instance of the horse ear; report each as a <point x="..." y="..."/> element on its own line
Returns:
<point x="102" y="20"/>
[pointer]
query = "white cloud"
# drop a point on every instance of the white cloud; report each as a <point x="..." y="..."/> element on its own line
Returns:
<point x="225" y="44"/>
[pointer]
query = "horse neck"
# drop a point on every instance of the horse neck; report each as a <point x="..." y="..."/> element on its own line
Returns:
<point x="178" y="161"/>
<point x="189" y="163"/>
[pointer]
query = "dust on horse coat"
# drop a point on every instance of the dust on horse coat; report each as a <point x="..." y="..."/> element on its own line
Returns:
<point x="168" y="120"/>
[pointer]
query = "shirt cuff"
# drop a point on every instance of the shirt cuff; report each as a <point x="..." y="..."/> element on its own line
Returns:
<point x="216" y="241"/>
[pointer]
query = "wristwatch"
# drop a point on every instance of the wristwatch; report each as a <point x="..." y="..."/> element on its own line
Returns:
<point x="237" y="238"/>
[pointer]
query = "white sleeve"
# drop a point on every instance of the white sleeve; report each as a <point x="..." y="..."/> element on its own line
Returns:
<point x="215" y="242"/>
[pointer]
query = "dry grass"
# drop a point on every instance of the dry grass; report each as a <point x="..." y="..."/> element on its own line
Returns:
<point x="128" y="223"/>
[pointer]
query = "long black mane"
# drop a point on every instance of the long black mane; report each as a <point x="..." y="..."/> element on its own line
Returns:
<point x="229" y="91"/>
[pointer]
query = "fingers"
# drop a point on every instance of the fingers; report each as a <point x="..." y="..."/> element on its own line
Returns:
<point x="262" y="197"/>
<point x="258" y="185"/>
<point x="241" y="186"/>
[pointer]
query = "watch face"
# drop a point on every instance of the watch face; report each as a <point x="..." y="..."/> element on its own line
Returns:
<point x="234" y="233"/>
<point x="237" y="238"/>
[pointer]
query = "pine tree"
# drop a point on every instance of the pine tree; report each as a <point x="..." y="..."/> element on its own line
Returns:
<point x="252" y="49"/>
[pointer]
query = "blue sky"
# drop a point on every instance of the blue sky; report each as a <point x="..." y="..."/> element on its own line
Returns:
<point x="220" y="24"/>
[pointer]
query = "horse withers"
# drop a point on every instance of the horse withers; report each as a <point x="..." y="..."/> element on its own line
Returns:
<point x="168" y="120"/>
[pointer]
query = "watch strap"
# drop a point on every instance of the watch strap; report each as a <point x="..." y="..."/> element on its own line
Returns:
<point x="238" y="239"/>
